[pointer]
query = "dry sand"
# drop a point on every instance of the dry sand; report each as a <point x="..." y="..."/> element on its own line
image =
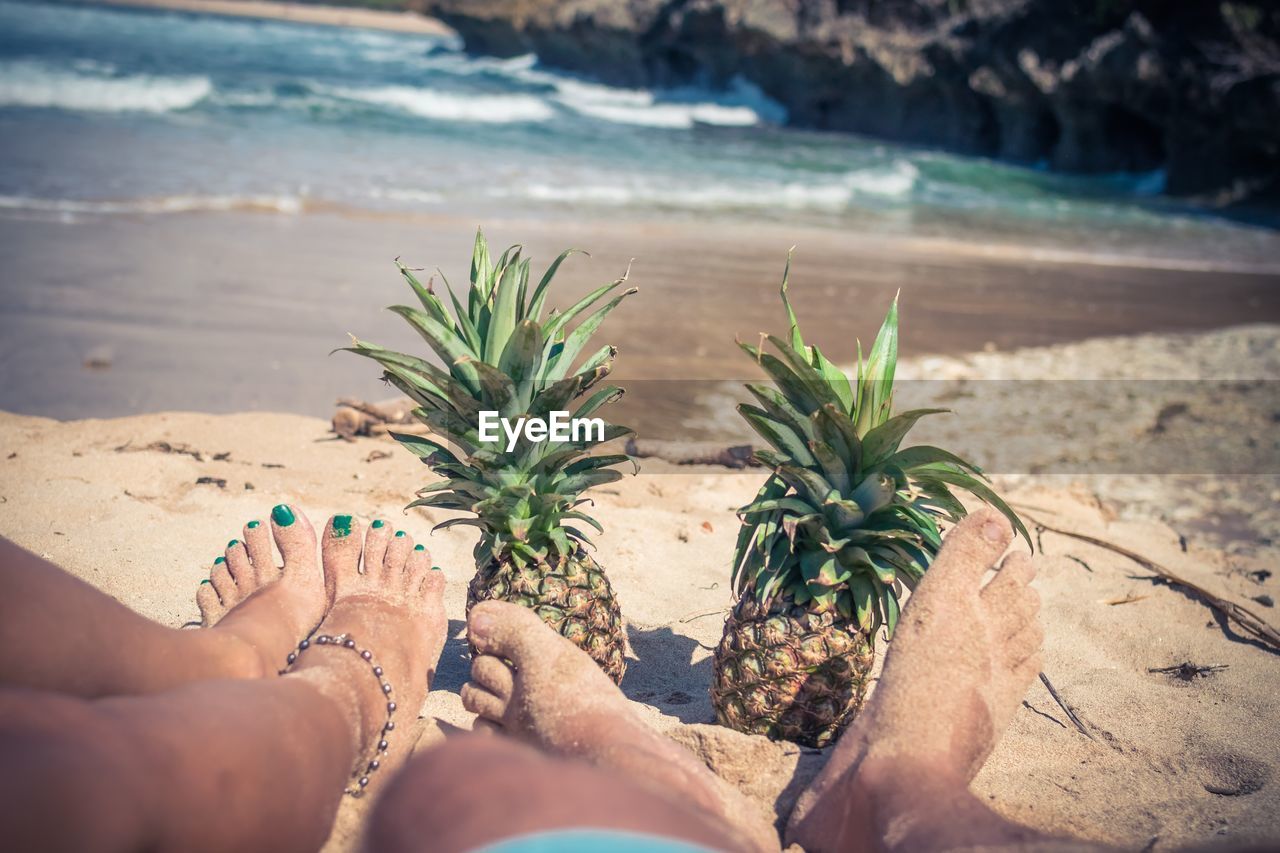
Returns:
<point x="120" y="504"/>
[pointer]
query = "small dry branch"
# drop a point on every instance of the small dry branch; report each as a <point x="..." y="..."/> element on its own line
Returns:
<point x="1071" y="715"/>
<point x="1250" y="623"/>
<point x="1189" y="671"/>
<point x="692" y="452"/>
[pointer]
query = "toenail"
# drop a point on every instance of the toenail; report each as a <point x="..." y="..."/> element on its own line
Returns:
<point x="219" y="561"/>
<point x="341" y="526"/>
<point x="399" y="534"/>
<point x="282" y="515"/>
<point x="378" y="523"/>
<point x="253" y="524"/>
<point x="419" y="547"/>
<point x="436" y="569"/>
<point x="205" y="581"/>
<point x="233" y="543"/>
<point x="992" y="531"/>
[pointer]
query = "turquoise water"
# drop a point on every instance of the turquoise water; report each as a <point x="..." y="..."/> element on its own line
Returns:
<point x="111" y="111"/>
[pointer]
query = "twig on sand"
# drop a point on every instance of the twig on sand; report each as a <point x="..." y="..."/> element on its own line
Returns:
<point x="1128" y="599"/>
<point x="692" y="452"/>
<point x="1071" y="715"/>
<point x="1075" y="559"/>
<point x="1189" y="671"/>
<point x="1249" y="622"/>
<point x="1033" y="709"/>
<point x="693" y="616"/>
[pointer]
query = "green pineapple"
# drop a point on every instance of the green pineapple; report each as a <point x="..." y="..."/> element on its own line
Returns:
<point x="501" y="355"/>
<point x="844" y="522"/>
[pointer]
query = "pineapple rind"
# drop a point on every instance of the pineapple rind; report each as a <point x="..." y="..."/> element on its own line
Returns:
<point x="844" y="522"/>
<point x="500" y="353"/>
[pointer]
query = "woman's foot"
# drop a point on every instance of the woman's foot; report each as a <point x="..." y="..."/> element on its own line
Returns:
<point x="388" y="602"/>
<point x="534" y="685"/>
<point x="960" y="662"/>
<point x="259" y="610"/>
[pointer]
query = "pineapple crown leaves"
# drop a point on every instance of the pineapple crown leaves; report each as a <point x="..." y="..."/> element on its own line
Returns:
<point x="500" y="353"/>
<point x="848" y="517"/>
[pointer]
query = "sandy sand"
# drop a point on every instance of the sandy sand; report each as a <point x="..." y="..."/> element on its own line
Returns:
<point x="334" y="16"/>
<point x="1179" y="761"/>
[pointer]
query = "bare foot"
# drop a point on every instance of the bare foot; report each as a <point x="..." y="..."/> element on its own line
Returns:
<point x="553" y="696"/>
<point x="389" y="604"/>
<point x="262" y="608"/>
<point x="960" y="662"/>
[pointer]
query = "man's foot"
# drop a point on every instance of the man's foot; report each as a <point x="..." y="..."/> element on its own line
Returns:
<point x="391" y="605"/>
<point x="259" y="607"/>
<point x="958" y="665"/>
<point x="534" y="685"/>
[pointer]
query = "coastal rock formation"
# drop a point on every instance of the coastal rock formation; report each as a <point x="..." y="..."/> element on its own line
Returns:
<point x="1091" y="86"/>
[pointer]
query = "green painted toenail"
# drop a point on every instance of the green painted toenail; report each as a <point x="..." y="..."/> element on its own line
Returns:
<point x="435" y="568"/>
<point x="219" y="561"/>
<point x="205" y="581"/>
<point x="419" y="547"/>
<point x="377" y="522"/>
<point x="399" y="533"/>
<point x="341" y="525"/>
<point x="282" y="515"/>
<point x="233" y="543"/>
<point x="253" y="524"/>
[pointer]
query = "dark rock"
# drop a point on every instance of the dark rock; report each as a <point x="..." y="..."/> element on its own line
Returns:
<point x="1082" y="85"/>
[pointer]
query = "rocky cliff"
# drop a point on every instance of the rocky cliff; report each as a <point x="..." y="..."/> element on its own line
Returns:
<point x="1188" y="86"/>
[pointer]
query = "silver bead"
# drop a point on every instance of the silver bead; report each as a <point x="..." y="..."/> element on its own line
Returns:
<point x="389" y="726"/>
<point x="293" y="656"/>
<point x="351" y="644"/>
<point x="304" y="645"/>
<point x="382" y="745"/>
<point x="364" y="780"/>
<point x="377" y="670"/>
<point x="322" y="640"/>
<point x="374" y="765"/>
<point x="391" y="707"/>
<point x="386" y="688"/>
<point x="366" y="654"/>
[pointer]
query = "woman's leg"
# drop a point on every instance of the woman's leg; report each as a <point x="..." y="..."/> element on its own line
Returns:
<point x="245" y="764"/>
<point x="59" y="633"/>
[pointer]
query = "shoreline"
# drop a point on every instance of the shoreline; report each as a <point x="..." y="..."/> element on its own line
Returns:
<point x="330" y="16"/>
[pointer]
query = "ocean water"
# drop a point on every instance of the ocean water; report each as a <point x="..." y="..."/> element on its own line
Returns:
<point x="117" y="111"/>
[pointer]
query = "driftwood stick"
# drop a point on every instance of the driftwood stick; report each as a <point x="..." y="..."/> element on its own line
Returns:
<point x="1249" y="622"/>
<point x="691" y="452"/>
<point x="1071" y="715"/>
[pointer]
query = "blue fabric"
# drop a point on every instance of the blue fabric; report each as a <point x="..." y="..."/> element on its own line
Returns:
<point x="591" y="841"/>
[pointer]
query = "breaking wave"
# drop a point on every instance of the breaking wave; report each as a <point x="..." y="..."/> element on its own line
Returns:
<point x="31" y="84"/>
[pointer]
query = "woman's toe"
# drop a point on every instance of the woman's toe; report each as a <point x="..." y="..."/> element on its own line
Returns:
<point x="295" y="538"/>
<point x="340" y="550"/>
<point x="397" y="555"/>
<point x="375" y="546"/>
<point x="240" y="567"/>
<point x="211" y="608"/>
<point x="257" y="543"/>
<point x="417" y="568"/>
<point x="223" y="584"/>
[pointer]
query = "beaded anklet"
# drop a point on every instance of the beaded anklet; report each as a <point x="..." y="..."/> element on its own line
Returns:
<point x="346" y="641"/>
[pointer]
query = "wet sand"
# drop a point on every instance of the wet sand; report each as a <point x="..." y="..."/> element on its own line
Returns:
<point x="333" y="16"/>
<point x="225" y="312"/>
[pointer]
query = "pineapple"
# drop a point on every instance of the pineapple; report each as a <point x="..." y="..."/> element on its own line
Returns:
<point x="845" y="520"/>
<point x="501" y="355"/>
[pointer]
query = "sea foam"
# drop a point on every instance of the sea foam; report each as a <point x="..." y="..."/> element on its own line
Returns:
<point x="449" y="106"/>
<point x="31" y="84"/>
